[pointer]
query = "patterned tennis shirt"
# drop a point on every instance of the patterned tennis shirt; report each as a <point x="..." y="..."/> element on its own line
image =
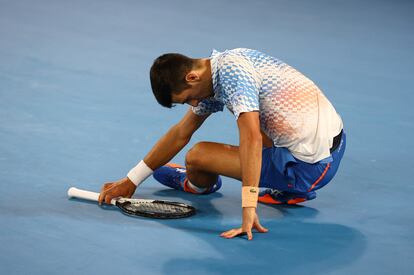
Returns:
<point x="294" y="112"/>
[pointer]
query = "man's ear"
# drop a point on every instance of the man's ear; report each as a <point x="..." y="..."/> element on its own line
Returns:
<point x="192" y="76"/>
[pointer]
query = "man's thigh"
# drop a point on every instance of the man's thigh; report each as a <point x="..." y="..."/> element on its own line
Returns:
<point x="215" y="158"/>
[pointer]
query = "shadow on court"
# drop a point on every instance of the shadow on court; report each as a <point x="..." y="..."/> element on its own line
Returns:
<point x="289" y="248"/>
<point x="294" y="244"/>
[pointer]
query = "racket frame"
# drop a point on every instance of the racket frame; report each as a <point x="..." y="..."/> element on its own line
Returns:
<point x="121" y="202"/>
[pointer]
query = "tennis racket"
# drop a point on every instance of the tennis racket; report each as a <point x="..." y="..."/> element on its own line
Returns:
<point x="158" y="209"/>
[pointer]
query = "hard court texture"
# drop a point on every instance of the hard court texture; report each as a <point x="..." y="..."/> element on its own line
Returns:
<point x="76" y="109"/>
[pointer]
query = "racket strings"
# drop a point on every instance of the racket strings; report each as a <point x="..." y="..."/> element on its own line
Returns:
<point x="154" y="207"/>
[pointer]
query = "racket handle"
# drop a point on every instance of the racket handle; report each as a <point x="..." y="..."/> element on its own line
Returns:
<point x="82" y="194"/>
<point x="74" y="192"/>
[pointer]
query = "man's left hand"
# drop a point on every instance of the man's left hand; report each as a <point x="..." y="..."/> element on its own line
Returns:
<point x="250" y="220"/>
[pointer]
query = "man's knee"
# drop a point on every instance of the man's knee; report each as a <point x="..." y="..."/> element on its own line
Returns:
<point x="196" y="155"/>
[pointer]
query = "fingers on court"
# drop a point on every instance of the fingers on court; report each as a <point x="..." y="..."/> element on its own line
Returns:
<point x="249" y="235"/>
<point x="260" y="228"/>
<point x="231" y="233"/>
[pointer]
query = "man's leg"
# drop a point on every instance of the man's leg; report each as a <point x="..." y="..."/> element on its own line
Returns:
<point x="206" y="160"/>
<point x="204" y="163"/>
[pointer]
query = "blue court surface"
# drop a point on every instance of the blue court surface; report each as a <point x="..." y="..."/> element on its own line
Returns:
<point x="76" y="109"/>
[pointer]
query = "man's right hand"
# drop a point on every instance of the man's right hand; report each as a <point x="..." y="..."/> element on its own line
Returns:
<point x="123" y="188"/>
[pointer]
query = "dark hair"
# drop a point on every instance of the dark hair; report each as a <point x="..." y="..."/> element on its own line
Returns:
<point x="167" y="76"/>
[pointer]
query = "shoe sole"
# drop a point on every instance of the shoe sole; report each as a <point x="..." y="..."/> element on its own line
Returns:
<point x="267" y="199"/>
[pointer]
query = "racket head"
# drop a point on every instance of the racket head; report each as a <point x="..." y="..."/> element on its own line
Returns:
<point x="157" y="209"/>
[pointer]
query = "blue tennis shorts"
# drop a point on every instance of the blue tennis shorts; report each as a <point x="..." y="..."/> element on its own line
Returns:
<point x="282" y="171"/>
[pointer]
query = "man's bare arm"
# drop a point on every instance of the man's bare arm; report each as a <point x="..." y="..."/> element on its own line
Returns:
<point x="250" y="151"/>
<point x="250" y="148"/>
<point x="174" y="140"/>
<point x="163" y="151"/>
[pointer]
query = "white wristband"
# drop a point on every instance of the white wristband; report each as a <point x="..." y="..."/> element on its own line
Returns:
<point x="249" y="196"/>
<point x="139" y="173"/>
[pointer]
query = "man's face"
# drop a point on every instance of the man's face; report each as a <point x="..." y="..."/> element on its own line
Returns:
<point x="191" y="96"/>
<point x="200" y="89"/>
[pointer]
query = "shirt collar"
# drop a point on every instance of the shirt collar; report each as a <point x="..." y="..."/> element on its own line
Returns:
<point x="214" y="71"/>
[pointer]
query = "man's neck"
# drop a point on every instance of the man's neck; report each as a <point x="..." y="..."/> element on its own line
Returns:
<point x="204" y="66"/>
<point x="205" y="72"/>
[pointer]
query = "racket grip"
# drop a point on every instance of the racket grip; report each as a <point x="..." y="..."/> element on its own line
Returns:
<point x="74" y="192"/>
<point x="82" y="194"/>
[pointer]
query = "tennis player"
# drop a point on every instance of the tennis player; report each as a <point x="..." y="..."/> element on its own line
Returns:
<point x="291" y="138"/>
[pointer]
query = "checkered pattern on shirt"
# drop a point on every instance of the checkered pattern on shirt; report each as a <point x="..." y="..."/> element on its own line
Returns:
<point x="236" y="85"/>
<point x="289" y="103"/>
